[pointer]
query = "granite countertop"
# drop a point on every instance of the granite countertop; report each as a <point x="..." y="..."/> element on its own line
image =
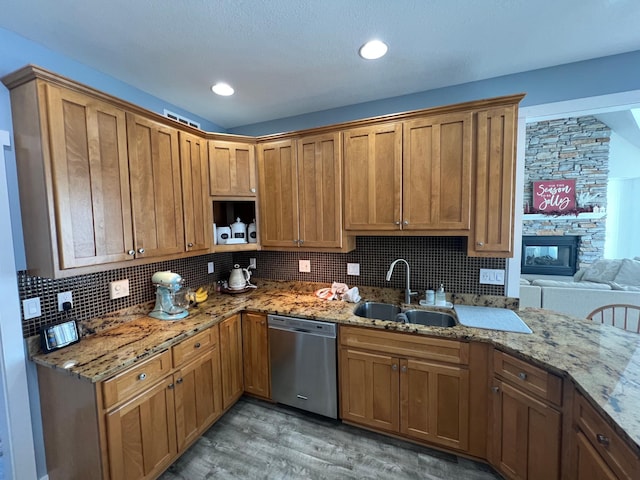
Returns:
<point x="603" y="361"/>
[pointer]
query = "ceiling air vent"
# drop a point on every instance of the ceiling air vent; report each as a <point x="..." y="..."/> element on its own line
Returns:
<point x="181" y="119"/>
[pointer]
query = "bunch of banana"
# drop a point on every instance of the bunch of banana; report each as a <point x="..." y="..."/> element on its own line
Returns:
<point x="201" y="295"/>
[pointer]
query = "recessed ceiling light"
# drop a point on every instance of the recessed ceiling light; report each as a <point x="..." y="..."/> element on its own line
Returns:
<point x="373" y="49"/>
<point x="223" y="89"/>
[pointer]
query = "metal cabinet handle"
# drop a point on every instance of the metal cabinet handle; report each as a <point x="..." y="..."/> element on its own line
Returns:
<point x="296" y="241"/>
<point x="480" y="244"/>
<point x="300" y="242"/>
<point x="403" y="369"/>
<point x="131" y="252"/>
<point x="252" y="190"/>
<point x="179" y="381"/>
<point x="602" y="439"/>
<point x="262" y="322"/>
<point x="406" y="222"/>
<point x="495" y="389"/>
<point x="189" y="244"/>
<point x="398" y="222"/>
<point x="171" y="386"/>
<point x="197" y="345"/>
<point x="142" y="376"/>
<point x="141" y="250"/>
<point x="522" y="376"/>
<point x="394" y="367"/>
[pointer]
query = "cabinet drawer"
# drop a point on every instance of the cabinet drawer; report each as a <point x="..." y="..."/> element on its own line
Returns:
<point x="530" y="378"/>
<point x="405" y="345"/>
<point x="135" y="379"/>
<point x="615" y="452"/>
<point x="193" y="346"/>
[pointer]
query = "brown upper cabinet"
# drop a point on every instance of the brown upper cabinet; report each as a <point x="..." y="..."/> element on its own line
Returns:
<point x="495" y="182"/>
<point x="300" y="193"/>
<point x="193" y="164"/>
<point x="413" y="175"/>
<point x="104" y="183"/>
<point x="232" y="169"/>
<point x="156" y="190"/>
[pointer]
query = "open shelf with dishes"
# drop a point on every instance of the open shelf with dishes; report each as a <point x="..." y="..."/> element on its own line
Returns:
<point x="226" y="212"/>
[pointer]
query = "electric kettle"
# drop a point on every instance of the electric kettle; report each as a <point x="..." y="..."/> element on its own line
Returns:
<point x="239" y="278"/>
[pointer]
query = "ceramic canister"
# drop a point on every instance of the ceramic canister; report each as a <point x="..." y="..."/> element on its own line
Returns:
<point x="252" y="233"/>
<point x="224" y="234"/>
<point x="239" y="230"/>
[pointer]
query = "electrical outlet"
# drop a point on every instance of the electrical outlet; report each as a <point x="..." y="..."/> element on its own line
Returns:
<point x="252" y="263"/>
<point x="210" y="267"/>
<point x="490" y="276"/>
<point x="31" y="308"/>
<point x="119" y="289"/>
<point x="63" y="298"/>
<point x="304" y="266"/>
<point x="353" y="269"/>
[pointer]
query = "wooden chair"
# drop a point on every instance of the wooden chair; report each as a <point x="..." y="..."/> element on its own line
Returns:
<point x="622" y="316"/>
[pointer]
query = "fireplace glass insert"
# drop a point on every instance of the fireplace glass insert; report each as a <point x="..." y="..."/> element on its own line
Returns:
<point x="549" y="255"/>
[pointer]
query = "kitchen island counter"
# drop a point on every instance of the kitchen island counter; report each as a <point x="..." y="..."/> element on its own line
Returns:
<point x="603" y="361"/>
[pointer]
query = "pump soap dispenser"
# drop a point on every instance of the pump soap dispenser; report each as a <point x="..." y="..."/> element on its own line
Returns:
<point x="441" y="298"/>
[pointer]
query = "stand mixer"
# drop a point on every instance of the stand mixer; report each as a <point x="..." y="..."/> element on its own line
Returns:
<point x="167" y="285"/>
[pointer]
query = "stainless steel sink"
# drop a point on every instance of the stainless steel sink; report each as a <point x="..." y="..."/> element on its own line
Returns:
<point x="379" y="311"/>
<point x="429" y="318"/>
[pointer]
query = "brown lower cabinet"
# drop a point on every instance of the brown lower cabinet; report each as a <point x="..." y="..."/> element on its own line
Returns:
<point x="231" y="360"/>
<point x="255" y="354"/>
<point x="411" y="385"/>
<point x="135" y="424"/>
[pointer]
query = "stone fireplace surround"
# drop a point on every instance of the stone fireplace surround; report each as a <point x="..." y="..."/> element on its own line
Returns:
<point x="569" y="148"/>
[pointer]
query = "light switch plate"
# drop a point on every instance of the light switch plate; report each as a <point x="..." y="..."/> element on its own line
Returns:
<point x="353" y="269"/>
<point x="490" y="276"/>
<point x="304" y="266"/>
<point x="31" y="308"/>
<point x="119" y="289"/>
<point x="210" y="267"/>
<point x="252" y="263"/>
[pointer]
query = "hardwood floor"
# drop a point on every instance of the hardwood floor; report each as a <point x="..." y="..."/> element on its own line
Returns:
<point x="258" y="440"/>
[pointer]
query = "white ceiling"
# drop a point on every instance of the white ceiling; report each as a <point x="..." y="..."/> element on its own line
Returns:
<point x="290" y="57"/>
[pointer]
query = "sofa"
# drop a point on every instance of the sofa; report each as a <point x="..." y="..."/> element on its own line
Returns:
<point x="605" y="282"/>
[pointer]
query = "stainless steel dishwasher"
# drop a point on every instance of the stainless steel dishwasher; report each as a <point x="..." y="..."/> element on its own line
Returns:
<point x="303" y="364"/>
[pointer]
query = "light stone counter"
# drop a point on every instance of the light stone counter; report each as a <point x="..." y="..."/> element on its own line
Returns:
<point x="603" y="361"/>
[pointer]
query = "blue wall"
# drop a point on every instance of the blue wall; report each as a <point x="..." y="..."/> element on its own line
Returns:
<point x="600" y="76"/>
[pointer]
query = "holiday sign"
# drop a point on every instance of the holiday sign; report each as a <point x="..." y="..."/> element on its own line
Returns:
<point x="554" y="195"/>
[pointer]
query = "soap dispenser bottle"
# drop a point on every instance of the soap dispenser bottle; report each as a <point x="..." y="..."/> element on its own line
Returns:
<point x="441" y="298"/>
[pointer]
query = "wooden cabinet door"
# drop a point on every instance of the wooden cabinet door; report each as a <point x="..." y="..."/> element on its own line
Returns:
<point x="195" y="200"/>
<point x="369" y="389"/>
<point x="526" y="437"/>
<point x="198" y="397"/>
<point x="232" y="169"/>
<point x="231" y="360"/>
<point x="90" y="171"/>
<point x="591" y="466"/>
<point x="320" y="191"/>
<point x="495" y="180"/>
<point x="436" y="189"/>
<point x="434" y="402"/>
<point x="141" y="434"/>
<point x="156" y="191"/>
<point x="373" y="177"/>
<point x="255" y="353"/>
<point x="278" y="206"/>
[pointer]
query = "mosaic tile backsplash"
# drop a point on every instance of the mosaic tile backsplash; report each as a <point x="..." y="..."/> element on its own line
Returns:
<point x="433" y="260"/>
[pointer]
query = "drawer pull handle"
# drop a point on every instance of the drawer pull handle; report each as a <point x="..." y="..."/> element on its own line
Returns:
<point x="394" y="367"/>
<point x="602" y="439"/>
<point x="522" y="376"/>
<point x="197" y="345"/>
<point x="480" y="244"/>
<point x="189" y="244"/>
<point x="495" y="389"/>
<point x="252" y="190"/>
<point x="179" y="381"/>
<point x="141" y="250"/>
<point x="404" y="369"/>
<point x="171" y="386"/>
<point x="131" y="252"/>
<point x="142" y="376"/>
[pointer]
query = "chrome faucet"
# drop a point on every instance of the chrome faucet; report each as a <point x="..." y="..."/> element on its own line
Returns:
<point x="407" y="293"/>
